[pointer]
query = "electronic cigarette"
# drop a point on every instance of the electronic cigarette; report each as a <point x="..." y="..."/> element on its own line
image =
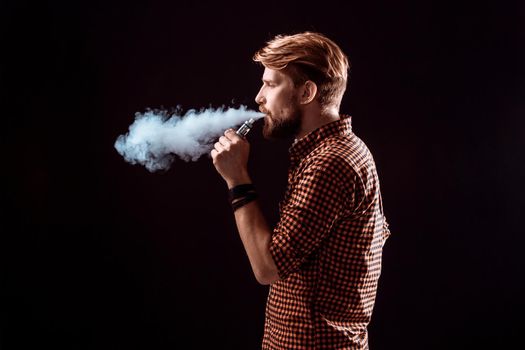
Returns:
<point x="245" y="127"/>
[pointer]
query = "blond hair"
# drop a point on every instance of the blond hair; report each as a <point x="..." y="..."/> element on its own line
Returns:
<point x="309" y="56"/>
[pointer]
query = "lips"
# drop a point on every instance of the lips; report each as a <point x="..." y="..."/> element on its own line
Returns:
<point x="264" y="110"/>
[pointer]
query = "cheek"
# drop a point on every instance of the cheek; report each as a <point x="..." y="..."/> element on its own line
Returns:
<point x="277" y="99"/>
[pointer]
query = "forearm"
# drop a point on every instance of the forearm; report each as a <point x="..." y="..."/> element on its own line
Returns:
<point x="256" y="237"/>
<point x="230" y="157"/>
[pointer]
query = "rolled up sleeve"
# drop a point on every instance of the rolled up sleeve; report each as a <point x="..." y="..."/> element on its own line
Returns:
<point x="317" y="197"/>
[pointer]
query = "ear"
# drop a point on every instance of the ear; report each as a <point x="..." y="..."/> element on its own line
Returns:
<point x="308" y="93"/>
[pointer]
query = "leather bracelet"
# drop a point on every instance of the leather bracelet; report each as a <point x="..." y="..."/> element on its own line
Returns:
<point x="240" y="191"/>
<point x="242" y="202"/>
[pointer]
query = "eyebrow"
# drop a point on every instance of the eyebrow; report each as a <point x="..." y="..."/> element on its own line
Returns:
<point x="268" y="81"/>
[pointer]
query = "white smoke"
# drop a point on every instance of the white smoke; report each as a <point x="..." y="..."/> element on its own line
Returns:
<point x="156" y="137"/>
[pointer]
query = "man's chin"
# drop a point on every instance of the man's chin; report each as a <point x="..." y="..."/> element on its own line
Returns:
<point x="279" y="129"/>
<point x="271" y="133"/>
<point x="268" y="123"/>
<point x="268" y="129"/>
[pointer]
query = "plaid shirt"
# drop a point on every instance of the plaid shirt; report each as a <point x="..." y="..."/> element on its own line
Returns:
<point x="327" y="245"/>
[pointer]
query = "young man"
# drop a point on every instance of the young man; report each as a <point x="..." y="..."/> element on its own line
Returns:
<point x="323" y="259"/>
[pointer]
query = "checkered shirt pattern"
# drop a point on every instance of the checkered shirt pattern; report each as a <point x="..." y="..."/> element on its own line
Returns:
<point x="327" y="245"/>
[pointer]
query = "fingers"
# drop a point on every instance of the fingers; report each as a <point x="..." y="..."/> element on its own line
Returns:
<point x="232" y="136"/>
<point x="219" y="147"/>
<point x="225" y="142"/>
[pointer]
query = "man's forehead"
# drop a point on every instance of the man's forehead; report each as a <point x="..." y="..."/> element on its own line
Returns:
<point x="271" y="74"/>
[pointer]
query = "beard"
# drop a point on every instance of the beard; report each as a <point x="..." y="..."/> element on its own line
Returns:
<point x="287" y="125"/>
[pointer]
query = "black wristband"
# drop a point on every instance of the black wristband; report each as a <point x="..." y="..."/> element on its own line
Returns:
<point x="240" y="191"/>
<point x="247" y="199"/>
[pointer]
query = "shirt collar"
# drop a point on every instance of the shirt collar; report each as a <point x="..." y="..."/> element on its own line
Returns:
<point x="306" y="144"/>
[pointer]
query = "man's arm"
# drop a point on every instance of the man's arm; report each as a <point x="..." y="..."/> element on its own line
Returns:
<point x="230" y="157"/>
<point x="256" y="238"/>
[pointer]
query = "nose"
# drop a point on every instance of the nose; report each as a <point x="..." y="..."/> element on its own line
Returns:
<point x="259" y="99"/>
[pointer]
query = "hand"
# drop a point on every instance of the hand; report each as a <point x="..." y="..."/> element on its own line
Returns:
<point x="230" y="158"/>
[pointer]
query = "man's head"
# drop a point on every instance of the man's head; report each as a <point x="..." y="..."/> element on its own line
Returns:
<point x="300" y="70"/>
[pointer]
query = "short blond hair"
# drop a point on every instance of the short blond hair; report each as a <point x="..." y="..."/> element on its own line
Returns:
<point x="309" y="56"/>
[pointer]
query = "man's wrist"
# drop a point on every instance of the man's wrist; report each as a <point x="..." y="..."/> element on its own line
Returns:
<point x="241" y="195"/>
<point x="241" y="180"/>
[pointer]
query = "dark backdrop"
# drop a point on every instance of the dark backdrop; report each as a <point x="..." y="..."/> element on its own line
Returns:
<point x="100" y="254"/>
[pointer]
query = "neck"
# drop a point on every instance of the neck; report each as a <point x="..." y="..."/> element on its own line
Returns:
<point x="314" y="119"/>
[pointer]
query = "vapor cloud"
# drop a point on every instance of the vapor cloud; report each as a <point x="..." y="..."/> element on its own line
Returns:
<point x="157" y="137"/>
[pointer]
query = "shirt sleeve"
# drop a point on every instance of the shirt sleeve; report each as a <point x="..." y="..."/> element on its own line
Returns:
<point x="316" y="199"/>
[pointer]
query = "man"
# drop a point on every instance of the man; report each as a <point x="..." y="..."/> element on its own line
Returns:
<point x="323" y="259"/>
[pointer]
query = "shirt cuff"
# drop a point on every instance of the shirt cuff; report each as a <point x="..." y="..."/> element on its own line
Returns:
<point x="284" y="256"/>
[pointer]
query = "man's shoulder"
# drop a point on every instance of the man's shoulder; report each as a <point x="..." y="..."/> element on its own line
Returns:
<point x="347" y="150"/>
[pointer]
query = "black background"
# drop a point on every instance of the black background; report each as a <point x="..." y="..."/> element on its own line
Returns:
<point x="100" y="254"/>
